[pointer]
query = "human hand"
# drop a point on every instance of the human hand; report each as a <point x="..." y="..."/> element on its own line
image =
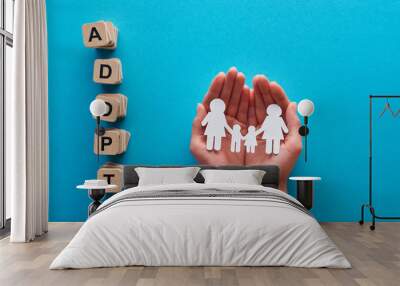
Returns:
<point x="231" y="89"/>
<point x="247" y="108"/>
<point x="263" y="94"/>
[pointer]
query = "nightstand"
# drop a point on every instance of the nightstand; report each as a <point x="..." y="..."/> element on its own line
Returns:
<point x="96" y="191"/>
<point x="305" y="188"/>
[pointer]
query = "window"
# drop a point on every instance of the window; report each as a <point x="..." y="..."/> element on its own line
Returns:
<point x="6" y="44"/>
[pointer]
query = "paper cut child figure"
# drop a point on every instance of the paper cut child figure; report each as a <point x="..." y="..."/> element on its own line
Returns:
<point x="272" y="127"/>
<point x="250" y="140"/>
<point x="216" y="124"/>
<point x="236" y="138"/>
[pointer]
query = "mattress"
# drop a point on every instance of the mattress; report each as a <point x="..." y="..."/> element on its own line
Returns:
<point x="201" y="225"/>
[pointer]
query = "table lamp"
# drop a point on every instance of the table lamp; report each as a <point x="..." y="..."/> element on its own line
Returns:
<point x="98" y="108"/>
<point x="306" y="109"/>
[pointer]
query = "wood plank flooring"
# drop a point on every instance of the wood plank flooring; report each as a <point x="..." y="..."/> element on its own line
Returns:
<point x="375" y="257"/>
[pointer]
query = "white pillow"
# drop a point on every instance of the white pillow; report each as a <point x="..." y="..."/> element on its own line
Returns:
<point x="248" y="177"/>
<point x="165" y="176"/>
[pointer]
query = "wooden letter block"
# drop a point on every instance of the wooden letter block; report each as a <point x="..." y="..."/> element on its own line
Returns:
<point x="113" y="174"/>
<point x="113" y="142"/>
<point x="109" y="143"/>
<point x="95" y="35"/>
<point x="108" y="71"/>
<point x="100" y="35"/>
<point x="116" y="103"/>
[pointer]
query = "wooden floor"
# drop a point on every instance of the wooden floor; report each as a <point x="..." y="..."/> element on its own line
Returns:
<point x="375" y="257"/>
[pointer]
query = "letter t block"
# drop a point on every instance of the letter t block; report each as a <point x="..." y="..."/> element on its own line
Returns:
<point x="113" y="176"/>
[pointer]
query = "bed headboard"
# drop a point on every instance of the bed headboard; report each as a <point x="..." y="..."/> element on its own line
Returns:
<point x="271" y="177"/>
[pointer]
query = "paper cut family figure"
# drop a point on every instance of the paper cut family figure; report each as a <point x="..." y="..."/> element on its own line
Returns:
<point x="216" y="125"/>
<point x="272" y="128"/>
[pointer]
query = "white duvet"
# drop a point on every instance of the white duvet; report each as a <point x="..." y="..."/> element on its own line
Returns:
<point x="200" y="231"/>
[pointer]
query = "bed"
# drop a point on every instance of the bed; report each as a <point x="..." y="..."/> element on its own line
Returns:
<point x="198" y="224"/>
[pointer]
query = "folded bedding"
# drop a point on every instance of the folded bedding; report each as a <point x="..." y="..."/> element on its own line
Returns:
<point x="201" y="225"/>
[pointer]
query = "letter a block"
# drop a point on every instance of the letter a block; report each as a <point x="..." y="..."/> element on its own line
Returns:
<point x="100" y="35"/>
<point x="108" y="71"/>
<point x="113" y="174"/>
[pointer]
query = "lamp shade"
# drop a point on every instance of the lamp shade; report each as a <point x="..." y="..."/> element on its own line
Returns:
<point x="98" y="107"/>
<point x="305" y="107"/>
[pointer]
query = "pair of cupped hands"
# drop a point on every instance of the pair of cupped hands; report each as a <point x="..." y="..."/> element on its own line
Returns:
<point x="247" y="107"/>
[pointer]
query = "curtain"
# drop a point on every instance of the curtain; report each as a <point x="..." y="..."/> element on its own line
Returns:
<point x="27" y="124"/>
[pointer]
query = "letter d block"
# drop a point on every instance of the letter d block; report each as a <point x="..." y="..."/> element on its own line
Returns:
<point x="113" y="176"/>
<point x="108" y="71"/>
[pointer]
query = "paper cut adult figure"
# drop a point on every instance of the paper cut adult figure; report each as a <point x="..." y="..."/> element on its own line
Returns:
<point x="216" y="124"/>
<point x="236" y="139"/>
<point x="272" y="127"/>
<point x="250" y="140"/>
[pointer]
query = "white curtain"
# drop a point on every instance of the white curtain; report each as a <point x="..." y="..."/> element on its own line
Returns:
<point x="27" y="124"/>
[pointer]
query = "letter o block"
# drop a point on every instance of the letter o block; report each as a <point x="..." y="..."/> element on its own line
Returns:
<point x="116" y="103"/>
<point x="113" y="108"/>
<point x="107" y="71"/>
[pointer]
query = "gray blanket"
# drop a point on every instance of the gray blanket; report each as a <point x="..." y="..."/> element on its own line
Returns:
<point x="205" y="194"/>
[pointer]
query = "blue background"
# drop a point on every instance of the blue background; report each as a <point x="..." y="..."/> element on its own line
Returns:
<point x="333" y="52"/>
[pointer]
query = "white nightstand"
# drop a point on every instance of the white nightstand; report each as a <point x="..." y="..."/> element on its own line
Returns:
<point x="305" y="187"/>
<point x="96" y="191"/>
